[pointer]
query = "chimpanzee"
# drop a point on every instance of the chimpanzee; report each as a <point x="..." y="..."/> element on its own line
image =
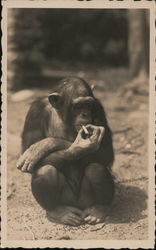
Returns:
<point x="71" y="169"/>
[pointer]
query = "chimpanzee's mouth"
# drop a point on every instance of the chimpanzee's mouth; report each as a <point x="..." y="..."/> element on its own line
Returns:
<point x="78" y="127"/>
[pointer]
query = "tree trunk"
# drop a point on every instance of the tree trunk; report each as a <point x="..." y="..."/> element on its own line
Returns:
<point x="24" y="38"/>
<point x="138" y="43"/>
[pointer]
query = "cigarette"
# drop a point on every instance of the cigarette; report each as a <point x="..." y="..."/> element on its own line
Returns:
<point x="85" y="130"/>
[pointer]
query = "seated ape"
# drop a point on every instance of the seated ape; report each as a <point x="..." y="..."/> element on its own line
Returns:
<point x="70" y="169"/>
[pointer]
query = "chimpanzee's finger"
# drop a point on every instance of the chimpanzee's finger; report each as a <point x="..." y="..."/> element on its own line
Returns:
<point x="18" y="165"/>
<point x="19" y="162"/>
<point x="97" y="221"/>
<point x="76" y="211"/>
<point x="25" y="166"/>
<point x="95" y="135"/>
<point x="71" y="222"/>
<point x="81" y="132"/>
<point x="91" y="128"/>
<point x="91" y="219"/>
<point x="85" y="213"/>
<point x="102" y="130"/>
<point x="88" y="218"/>
<point x="30" y="167"/>
<point x="76" y="218"/>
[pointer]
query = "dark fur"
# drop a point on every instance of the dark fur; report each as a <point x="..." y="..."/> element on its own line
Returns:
<point x="44" y="121"/>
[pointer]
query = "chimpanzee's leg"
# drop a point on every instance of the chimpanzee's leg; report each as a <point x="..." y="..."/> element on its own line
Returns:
<point x="51" y="190"/>
<point x="47" y="185"/>
<point x="96" y="193"/>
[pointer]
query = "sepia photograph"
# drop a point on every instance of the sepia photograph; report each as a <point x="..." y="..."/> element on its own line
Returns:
<point x="78" y="125"/>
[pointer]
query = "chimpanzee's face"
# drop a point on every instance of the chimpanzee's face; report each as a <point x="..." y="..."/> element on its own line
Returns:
<point x="74" y="103"/>
<point x="81" y="112"/>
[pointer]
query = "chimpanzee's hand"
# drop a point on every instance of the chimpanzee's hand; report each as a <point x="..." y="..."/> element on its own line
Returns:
<point x="33" y="155"/>
<point x="91" y="143"/>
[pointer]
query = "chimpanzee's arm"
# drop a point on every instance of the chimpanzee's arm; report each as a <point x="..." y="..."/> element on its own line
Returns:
<point x="63" y="158"/>
<point x="36" y="123"/>
<point x="105" y="154"/>
<point x="60" y="154"/>
<point x="63" y="154"/>
<point x="39" y="150"/>
<point x="80" y="149"/>
<point x="35" y="145"/>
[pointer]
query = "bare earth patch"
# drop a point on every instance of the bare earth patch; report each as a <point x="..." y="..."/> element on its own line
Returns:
<point x="128" y="218"/>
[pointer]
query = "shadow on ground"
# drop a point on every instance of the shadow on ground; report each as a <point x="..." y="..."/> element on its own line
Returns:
<point x="127" y="219"/>
<point x="129" y="203"/>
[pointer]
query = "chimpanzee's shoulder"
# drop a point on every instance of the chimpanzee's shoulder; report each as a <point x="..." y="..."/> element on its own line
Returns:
<point x="39" y="111"/>
<point x="41" y="103"/>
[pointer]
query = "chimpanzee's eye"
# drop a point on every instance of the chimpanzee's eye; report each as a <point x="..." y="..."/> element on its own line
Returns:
<point x="77" y="106"/>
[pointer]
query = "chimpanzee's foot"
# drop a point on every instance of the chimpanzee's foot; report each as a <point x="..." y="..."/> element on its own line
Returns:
<point x="95" y="214"/>
<point x="66" y="215"/>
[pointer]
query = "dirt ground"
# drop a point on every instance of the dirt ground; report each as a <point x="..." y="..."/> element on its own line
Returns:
<point x="128" y="219"/>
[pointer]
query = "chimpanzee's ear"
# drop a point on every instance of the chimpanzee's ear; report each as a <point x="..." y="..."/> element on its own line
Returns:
<point x="55" y="99"/>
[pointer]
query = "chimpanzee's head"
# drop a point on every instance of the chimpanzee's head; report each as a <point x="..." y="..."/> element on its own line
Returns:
<point x="74" y="102"/>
